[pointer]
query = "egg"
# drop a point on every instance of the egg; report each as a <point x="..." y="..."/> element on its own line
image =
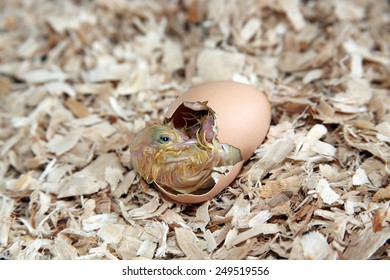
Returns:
<point x="243" y="116"/>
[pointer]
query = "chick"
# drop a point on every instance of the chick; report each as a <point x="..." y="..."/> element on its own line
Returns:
<point x="181" y="159"/>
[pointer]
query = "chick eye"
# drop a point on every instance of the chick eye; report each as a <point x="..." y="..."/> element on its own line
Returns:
<point x="164" y="138"/>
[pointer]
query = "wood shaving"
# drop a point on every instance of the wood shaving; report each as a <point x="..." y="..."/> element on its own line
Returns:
<point x="312" y="246"/>
<point x="325" y="192"/>
<point x="187" y="241"/>
<point x="78" y="79"/>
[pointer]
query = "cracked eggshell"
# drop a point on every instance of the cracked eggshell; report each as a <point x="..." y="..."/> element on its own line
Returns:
<point x="243" y="120"/>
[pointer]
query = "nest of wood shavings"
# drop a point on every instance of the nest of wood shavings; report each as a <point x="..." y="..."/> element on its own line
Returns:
<point x="78" y="79"/>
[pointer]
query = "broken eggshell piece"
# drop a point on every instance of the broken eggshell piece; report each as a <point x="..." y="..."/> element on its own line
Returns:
<point x="243" y="116"/>
<point x="199" y="123"/>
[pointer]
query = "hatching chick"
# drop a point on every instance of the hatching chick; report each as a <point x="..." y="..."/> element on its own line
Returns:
<point x="175" y="159"/>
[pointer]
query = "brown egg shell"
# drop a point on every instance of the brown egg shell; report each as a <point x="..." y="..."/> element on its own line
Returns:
<point x="243" y="120"/>
<point x="223" y="182"/>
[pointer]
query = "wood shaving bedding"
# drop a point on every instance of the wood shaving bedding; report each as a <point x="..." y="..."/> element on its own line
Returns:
<point x="79" y="80"/>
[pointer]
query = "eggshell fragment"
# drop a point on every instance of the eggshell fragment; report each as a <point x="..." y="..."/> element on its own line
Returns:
<point x="243" y="120"/>
<point x="223" y="182"/>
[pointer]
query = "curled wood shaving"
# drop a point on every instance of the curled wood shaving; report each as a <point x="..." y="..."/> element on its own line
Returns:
<point x="188" y="243"/>
<point x="6" y="206"/>
<point x="366" y="243"/>
<point x="111" y="233"/>
<point x="223" y="64"/>
<point x="312" y="246"/>
<point x="325" y="192"/>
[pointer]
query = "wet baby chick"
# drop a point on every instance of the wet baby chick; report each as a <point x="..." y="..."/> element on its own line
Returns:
<point x="180" y="159"/>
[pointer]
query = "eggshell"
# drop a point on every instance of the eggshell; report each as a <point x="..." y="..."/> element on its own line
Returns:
<point x="243" y="120"/>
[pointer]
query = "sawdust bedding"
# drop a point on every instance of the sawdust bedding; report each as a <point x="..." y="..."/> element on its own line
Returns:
<point x="78" y="79"/>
